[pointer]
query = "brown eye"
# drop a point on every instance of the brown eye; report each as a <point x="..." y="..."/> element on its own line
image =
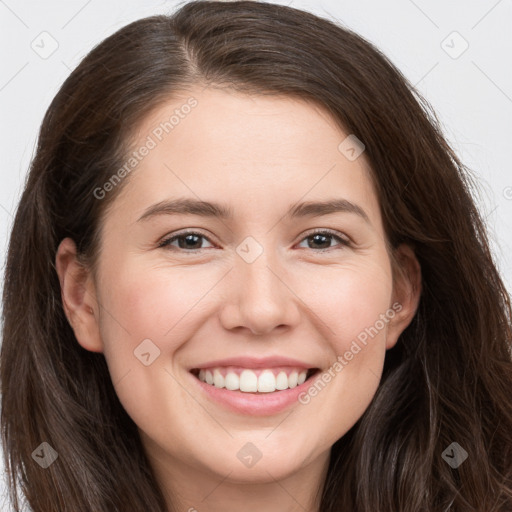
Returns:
<point x="188" y="240"/>
<point x="322" y="240"/>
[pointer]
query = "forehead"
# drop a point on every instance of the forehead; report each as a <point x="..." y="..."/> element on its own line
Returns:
<point x="253" y="152"/>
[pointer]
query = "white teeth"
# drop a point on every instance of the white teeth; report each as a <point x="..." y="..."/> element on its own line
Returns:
<point x="249" y="382"/>
<point x="266" y="382"/>
<point x="292" y="379"/>
<point x="232" y="381"/>
<point x="282" y="381"/>
<point x="218" y="379"/>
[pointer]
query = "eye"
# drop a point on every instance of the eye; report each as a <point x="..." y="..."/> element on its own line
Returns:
<point x="324" y="237"/>
<point x="192" y="240"/>
<point x="186" y="240"/>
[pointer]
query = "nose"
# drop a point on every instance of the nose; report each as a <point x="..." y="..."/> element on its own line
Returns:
<point x="258" y="297"/>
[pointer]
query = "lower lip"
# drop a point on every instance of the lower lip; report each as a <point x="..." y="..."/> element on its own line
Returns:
<point x="255" y="404"/>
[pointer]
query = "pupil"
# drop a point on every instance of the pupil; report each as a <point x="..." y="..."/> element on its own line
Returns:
<point x="189" y="238"/>
<point x="317" y="236"/>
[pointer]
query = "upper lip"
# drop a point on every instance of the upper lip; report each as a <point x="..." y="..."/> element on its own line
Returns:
<point x="254" y="362"/>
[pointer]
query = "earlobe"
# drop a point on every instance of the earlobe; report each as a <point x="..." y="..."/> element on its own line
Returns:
<point x="406" y="292"/>
<point x="78" y="296"/>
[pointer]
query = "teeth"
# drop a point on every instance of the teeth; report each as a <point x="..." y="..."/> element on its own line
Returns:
<point x="266" y="382"/>
<point x="218" y="379"/>
<point x="293" y="379"/>
<point x="282" y="381"/>
<point x="232" y="381"/>
<point x="249" y="382"/>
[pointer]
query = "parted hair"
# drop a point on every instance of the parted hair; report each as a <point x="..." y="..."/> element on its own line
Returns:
<point x="449" y="377"/>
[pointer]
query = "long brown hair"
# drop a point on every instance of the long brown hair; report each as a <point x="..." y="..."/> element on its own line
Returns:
<point x="449" y="377"/>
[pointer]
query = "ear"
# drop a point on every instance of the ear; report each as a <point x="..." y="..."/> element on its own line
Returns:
<point x="406" y="292"/>
<point x="78" y="296"/>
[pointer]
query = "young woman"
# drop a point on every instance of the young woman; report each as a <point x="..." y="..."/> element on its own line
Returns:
<point x="247" y="273"/>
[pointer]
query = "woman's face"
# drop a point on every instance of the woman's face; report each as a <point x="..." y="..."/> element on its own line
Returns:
<point x="254" y="296"/>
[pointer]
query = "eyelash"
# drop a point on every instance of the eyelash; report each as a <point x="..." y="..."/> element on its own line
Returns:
<point x="342" y="242"/>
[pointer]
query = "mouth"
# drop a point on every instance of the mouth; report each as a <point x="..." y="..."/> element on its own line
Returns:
<point x="254" y="381"/>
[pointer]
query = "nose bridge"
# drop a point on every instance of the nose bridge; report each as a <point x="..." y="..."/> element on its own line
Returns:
<point x="259" y="298"/>
<point x="255" y="259"/>
<point x="257" y="271"/>
<point x="259" y="277"/>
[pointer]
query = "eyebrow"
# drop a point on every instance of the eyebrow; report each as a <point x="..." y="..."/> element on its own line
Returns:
<point x="186" y="206"/>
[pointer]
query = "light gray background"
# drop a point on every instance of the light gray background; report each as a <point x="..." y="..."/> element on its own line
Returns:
<point x="471" y="91"/>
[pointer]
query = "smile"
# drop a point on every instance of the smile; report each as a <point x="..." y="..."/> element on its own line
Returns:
<point x="264" y="380"/>
<point x="254" y="386"/>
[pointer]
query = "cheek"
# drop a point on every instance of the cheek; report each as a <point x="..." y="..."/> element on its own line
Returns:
<point x="365" y="313"/>
<point x="147" y="315"/>
<point x="350" y="301"/>
<point x="144" y="311"/>
<point x="356" y="310"/>
<point x="141" y="302"/>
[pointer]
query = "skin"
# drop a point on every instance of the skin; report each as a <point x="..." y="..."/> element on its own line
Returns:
<point x="259" y="156"/>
